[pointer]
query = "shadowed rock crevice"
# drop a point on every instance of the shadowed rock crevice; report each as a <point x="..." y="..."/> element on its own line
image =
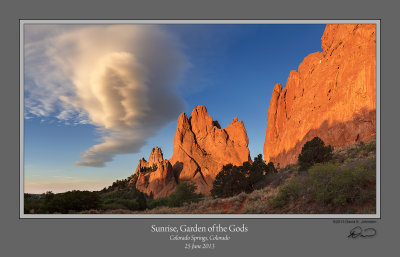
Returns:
<point x="198" y="169"/>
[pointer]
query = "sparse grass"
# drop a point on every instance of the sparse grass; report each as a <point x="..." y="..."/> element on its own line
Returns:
<point x="236" y="205"/>
<point x="241" y="196"/>
<point x="258" y="201"/>
<point x="356" y="151"/>
<point x="253" y="208"/>
<point x="290" y="168"/>
<point x="276" y="179"/>
<point x="287" y="193"/>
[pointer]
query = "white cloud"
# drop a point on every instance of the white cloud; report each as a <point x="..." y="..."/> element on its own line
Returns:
<point x="120" y="78"/>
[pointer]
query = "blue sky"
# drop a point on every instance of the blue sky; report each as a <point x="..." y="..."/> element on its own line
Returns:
<point x="231" y="69"/>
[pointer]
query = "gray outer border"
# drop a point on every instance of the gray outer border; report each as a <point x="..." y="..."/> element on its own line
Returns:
<point x="210" y="216"/>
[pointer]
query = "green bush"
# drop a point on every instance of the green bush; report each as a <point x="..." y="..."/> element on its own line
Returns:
<point x="124" y="199"/>
<point x="129" y="204"/>
<point x="70" y="201"/>
<point x="271" y="168"/>
<point x="368" y="147"/>
<point x="145" y="170"/>
<point x="335" y="187"/>
<point x="233" y="180"/>
<point x="362" y="149"/>
<point x="288" y="192"/>
<point x="32" y="203"/>
<point x="314" y="151"/>
<point x="229" y="181"/>
<point x="257" y="170"/>
<point x="330" y="186"/>
<point x="153" y="203"/>
<point x="184" y="193"/>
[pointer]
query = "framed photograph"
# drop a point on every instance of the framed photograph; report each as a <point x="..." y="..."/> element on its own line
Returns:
<point x="200" y="119"/>
<point x="188" y="128"/>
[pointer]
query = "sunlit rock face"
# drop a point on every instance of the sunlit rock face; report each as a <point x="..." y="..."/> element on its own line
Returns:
<point x="201" y="148"/>
<point x="159" y="183"/>
<point x="156" y="157"/>
<point x="156" y="176"/>
<point x="332" y="96"/>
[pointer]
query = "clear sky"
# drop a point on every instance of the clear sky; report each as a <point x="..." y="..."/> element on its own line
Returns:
<point x="99" y="99"/>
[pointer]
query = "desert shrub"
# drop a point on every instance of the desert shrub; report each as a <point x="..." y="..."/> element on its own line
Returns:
<point x="229" y="182"/>
<point x="114" y="205"/>
<point x="290" y="168"/>
<point x="69" y="201"/>
<point x="255" y="195"/>
<point x="330" y="186"/>
<point x="271" y="168"/>
<point x="254" y="207"/>
<point x="131" y="199"/>
<point x="276" y="179"/>
<point x="145" y="170"/>
<point x="233" y="180"/>
<point x="314" y="151"/>
<point x="259" y="169"/>
<point x="367" y="163"/>
<point x="362" y="149"/>
<point x="121" y="194"/>
<point x="368" y="147"/>
<point x="241" y="196"/>
<point x="129" y="204"/>
<point x="157" y="202"/>
<point x="263" y="171"/>
<point x="335" y="187"/>
<point x="184" y="193"/>
<point x="288" y="192"/>
<point x="254" y="203"/>
<point x="236" y="204"/>
<point x="32" y="203"/>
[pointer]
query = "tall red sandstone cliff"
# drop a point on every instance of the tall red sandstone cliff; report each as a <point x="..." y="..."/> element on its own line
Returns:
<point x="332" y="96"/>
<point x="201" y="148"/>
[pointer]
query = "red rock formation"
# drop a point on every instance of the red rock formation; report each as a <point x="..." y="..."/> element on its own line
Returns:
<point x="332" y="96"/>
<point x="156" y="157"/>
<point x="201" y="148"/>
<point x="161" y="182"/>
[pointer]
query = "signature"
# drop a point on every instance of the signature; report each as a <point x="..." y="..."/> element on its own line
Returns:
<point x="360" y="232"/>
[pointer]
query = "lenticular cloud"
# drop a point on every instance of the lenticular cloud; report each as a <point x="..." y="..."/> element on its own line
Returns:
<point x="120" y="78"/>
